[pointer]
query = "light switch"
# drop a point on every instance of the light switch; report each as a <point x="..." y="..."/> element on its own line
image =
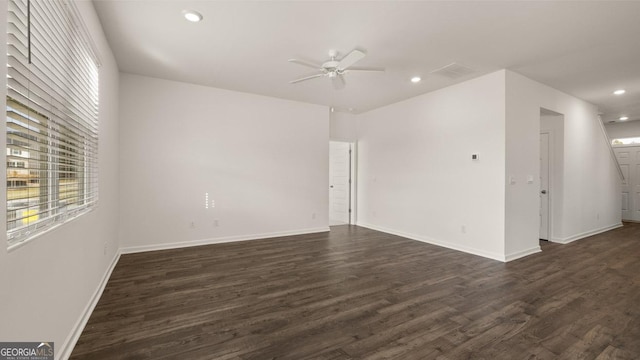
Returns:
<point x="529" y="179"/>
<point x="512" y="180"/>
<point x="475" y="157"/>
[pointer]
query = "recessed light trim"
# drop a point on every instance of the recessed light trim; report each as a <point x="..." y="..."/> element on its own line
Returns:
<point x="416" y="79"/>
<point x="192" y="15"/>
<point x="619" y="92"/>
<point x="623" y="118"/>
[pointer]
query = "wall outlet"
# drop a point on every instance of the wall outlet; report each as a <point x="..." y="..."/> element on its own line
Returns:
<point x="192" y="224"/>
<point x="216" y="223"/>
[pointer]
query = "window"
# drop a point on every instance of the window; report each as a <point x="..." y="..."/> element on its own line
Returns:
<point x="52" y="117"/>
<point x="626" y="141"/>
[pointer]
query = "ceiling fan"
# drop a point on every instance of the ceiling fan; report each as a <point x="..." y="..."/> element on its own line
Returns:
<point x="334" y="68"/>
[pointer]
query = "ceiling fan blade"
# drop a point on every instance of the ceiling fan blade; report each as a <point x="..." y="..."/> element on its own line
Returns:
<point x="363" y="69"/>
<point x="305" y="78"/>
<point x="350" y="59"/>
<point x="338" y="82"/>
<point x="305" y="63"/>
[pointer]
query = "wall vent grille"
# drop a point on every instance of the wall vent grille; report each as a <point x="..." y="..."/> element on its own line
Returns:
<point x="453" y="71"/>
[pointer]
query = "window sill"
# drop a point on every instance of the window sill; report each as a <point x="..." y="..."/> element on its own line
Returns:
<point x="13" y="247"/>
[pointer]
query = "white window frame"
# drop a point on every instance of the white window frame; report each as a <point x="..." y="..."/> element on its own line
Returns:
<point x="52" y="118"/>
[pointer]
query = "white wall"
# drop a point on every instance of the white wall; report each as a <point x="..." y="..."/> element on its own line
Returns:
<point x="416" y="176"/>
<point x="416" y="179"/>
<point x="591" y="188"/>
<point x="264" y="161"/>
<point x="343" y="127"/>
<point x="48" y="283"/>
<point x="623" y="129"/>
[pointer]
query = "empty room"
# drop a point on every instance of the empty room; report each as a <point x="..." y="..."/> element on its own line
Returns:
<point x="321" y="180"/>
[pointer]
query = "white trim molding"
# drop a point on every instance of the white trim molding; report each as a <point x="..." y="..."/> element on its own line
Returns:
<point x="72" y="339"/>
<point x="446" y="244"/>
<point x="523" y="253"/>
<point x="585" y="234"/>
<point x="551" y="191"/>
<point x="219" y="240"/>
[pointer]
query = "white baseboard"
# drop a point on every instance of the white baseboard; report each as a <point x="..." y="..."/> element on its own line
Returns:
<point x="585" y="234"/>
<point x="523" y="253"/>
<point x="72" y="339"/>
<point x="220" y="240"/>
<point x="446" y="244"/>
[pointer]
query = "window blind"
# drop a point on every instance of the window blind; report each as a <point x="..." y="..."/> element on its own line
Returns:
<point x="52" y="117"/>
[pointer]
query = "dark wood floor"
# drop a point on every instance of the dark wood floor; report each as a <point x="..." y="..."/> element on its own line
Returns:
<point x="355" y="293"/>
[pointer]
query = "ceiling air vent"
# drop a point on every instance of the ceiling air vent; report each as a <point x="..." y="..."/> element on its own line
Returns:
<point x="454" y="71"/>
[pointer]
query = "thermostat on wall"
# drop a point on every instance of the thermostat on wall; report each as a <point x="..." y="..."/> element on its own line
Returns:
<point x="475" y="157"/>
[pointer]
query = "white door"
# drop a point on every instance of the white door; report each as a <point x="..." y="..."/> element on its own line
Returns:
<point x="544" y="186"/>
<point x="339" y="184"/>
<point x="629" y="160"/>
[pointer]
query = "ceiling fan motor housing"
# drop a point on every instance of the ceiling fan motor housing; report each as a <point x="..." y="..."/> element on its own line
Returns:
<point x="333" y="68"/>
<point x="331" y="64"/>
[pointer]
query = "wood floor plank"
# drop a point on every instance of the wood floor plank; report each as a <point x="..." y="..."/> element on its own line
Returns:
<point x="612" y="352"/>
<point x="355" y="293"/>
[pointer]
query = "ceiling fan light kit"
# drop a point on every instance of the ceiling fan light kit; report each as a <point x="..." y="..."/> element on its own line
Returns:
<point x="334" y="69"/>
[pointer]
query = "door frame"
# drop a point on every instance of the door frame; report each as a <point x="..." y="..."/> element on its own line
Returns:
<point x="352" y="181"/>
<point x="550" y="189"/>
<point x="632" y="199"/>
<point x="353" y="188"/>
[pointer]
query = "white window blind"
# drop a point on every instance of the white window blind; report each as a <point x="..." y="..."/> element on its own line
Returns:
<point x="52" y="117"/>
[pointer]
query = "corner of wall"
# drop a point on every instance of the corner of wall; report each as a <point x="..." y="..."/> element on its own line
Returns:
<point x="587" y="202"/>
<point x="70" y="263"/>
<point x="260" y="151"/>
<point x="522" y="166"/>
<point x="406" y="156"/>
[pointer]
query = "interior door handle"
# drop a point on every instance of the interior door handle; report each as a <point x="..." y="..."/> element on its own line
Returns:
<point x="543" y="191"/>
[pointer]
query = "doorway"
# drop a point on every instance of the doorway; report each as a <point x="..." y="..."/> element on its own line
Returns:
<point x="629" y="160"/>
<point x="544" y="186"/>
<point x="340" y="183"/>
<point x="551" y="173"/>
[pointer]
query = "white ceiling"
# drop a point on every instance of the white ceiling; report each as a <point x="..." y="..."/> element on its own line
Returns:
<point x="587" y="49"/>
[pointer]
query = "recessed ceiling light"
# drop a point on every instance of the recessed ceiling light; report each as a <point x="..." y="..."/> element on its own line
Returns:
<point x="623" y="118"/>
<point x="619" y="92"/>
<point x="192" y="15"/>
<point x="415" y="79"/>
